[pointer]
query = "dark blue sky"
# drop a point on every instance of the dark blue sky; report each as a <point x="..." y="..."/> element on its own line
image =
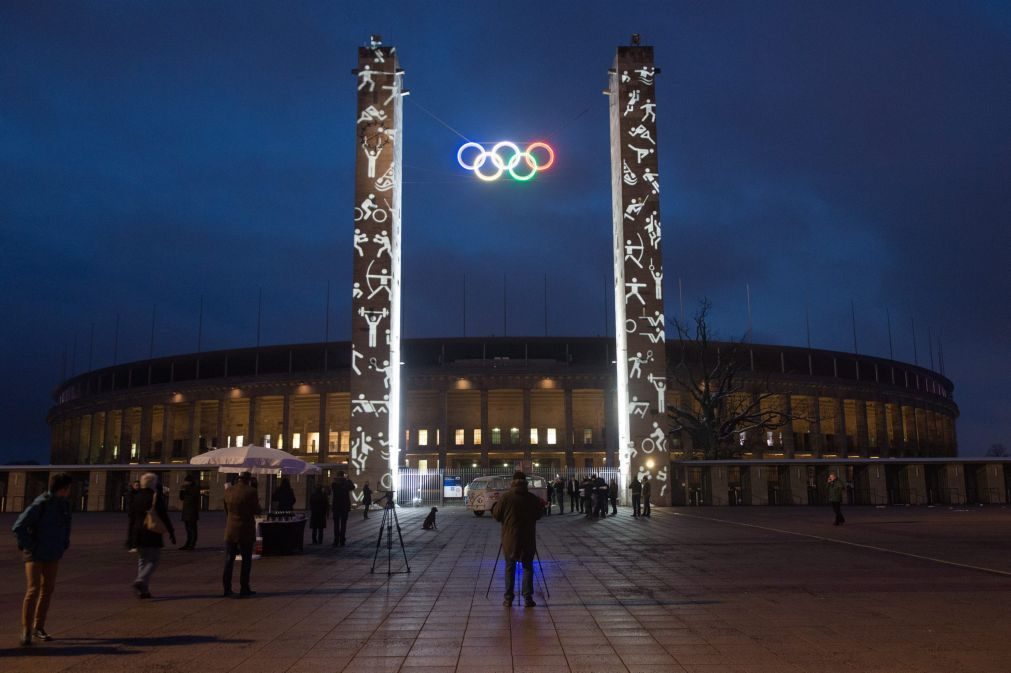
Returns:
<point x="154" y="152"/>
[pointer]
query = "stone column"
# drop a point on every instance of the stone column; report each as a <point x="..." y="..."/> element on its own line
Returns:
<point x="251" y="422"/>
<point x="916" y="484"/>
<point x="991" y="478"/>
<point x="17" y="486"/>
<point x="789" y="441"/>
<point x="798" y="484"/>
<point x="718" y="485"/>
<point x="126" y="437"/>
<point x="94" y="449"/>
<point x="97" y="480"/>
<point x="323" y="449"/>
<point x="863" y="446"/>
<point x="485" y="438"/>
<point x="955" y="482"/>
<point x="881" y="423"/>
<point x="220" y="440"/>
<point x="285" y="443"/>
<point x="897" y="430"/>
<point x="446" y="440"/>
<point x="194" y="429"/>
<point x="144" y="445"/>
<point x="842" y="436"/>
<point x="166" y="432"/>
<point x="106" y="454"/>
<point x="216" y="491"/>
<point x="570" y="433"/>
<point x="817" y="436"/>
<point x="759" y="484"/>
<point x="525" y="427"/>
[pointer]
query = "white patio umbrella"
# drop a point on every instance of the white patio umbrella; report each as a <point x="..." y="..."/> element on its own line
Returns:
<point x="256" y="459"/>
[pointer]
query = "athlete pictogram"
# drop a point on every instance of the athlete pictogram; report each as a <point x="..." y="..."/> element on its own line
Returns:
<point x="506" y="156"/>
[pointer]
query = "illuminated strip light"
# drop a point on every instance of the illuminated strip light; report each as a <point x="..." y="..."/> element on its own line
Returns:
<point x="499" y="165"/>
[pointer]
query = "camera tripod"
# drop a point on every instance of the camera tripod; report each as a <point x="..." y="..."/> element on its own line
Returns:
<point x="389" y="521"/>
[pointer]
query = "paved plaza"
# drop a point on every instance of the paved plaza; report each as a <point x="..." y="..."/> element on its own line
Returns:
<point x="753" y="590"/>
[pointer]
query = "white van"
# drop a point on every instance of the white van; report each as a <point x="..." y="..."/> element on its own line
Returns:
<point x="484" y="492"/>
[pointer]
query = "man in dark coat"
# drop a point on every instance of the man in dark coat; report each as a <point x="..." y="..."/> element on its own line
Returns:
<point x="835" y="498"/>
<point x="586" y="486"/>
<point x="600" y="497"/>
<point x="189" y="495"/>
<point x="43" y="533"/>
<point x="318" y="506"/>
<point x="636" y="489"/>
<point x="647" y="490"/>
<point x="243" y="505"/>
<point x="340" y="491"/>
<point x="549" y="493"/>
<point x="575" y="502"/>
<point x="560" y="493"/>
<point x="518" y="512"/>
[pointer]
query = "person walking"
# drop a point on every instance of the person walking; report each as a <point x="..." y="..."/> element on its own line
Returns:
<point x="366" y="500"/>
<point x="636" y="489"/>
<point x="284" y="497"/>
<point x="835" y="498"/>
<point x="318" y="506"/>
<point x="242" y="504"/>
<point x="518" y="512"/>
<point x="189" y="494"/>
<point x="340" y="491"/>
<point x="612" y="495"/>
<point x="43" y="535"/>
<point x="560" y="493"/>
<point x="149" y="522"/>
<point x="647" y="490"/>
<point x="575" y="505"/>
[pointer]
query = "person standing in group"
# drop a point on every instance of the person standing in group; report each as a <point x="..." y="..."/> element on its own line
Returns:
<point x="835" y="498"/>
<point x="518" y="512"/>
<point x="586" y="486"/>
<point x="560" y="493"/>
<point x="600" y="487"/>
<point x="128" y="497"/>
<point x="340" y="491"/>
<point x="575" y="505"/>
<point x="189" y="494"/>
<point x="242" y="504"/>
<point x="284" y="496"/>
<point x="366" y="500"/>
<point x="647" y="489"/>
<point x="318" y="506"/>
<point x="612" y="495"/>
<point x="636" y="489"/>
<point x="43" y="535"/>
<point x="149" y="521"/>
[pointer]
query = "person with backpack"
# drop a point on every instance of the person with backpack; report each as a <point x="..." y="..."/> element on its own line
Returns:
<point x="43" y="535"/>
<point x="149" y="521"/>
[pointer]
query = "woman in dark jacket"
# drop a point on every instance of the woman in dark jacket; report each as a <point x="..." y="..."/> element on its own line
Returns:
<point x="147" y="542"/>
<point x="318" y="506"/>
<point x="284" y="496"/>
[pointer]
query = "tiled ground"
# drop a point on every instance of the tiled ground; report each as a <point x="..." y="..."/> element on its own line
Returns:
<point x="722" y="590"/>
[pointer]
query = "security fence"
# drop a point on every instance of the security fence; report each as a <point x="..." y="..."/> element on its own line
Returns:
<point x="425" y="488"/>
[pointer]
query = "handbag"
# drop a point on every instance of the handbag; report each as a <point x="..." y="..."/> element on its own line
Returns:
<point x="152" y="521"/>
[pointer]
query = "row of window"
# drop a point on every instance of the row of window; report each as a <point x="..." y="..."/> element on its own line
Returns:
<point x="460" y="436"/>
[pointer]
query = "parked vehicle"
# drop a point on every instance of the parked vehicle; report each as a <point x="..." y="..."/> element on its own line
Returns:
<point x="484" y="492"/>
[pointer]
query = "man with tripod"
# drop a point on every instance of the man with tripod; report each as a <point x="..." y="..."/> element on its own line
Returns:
<point x="518" y="512"/>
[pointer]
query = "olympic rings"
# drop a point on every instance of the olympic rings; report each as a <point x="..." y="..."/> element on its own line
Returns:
<point x="513" y="161"/>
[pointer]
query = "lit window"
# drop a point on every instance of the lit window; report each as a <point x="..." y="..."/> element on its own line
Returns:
<point x="533" y="436"/>
<point x="514" y="435"/>
<point x="239" y="440"/>
<point x="296" y="441"/>
<point x="768" y="437"/>
<point x="552" y="436"/>
<point x="477" y="436"/>
<point x="461" y="437"/>
<point x="496" y="436"/>
<point x="422" y="437"/>
<point x="266" y="441"/>
<point x="345" y="445"/>
<point x="587" y="436"/>
<point x="438" y="436"/>
<point x="313" y="442"/>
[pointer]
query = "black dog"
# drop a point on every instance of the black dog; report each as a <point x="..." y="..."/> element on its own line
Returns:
<point x="430" y="520"/>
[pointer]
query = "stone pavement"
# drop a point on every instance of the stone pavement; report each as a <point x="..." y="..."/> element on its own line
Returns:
<point x="897" y="590"/>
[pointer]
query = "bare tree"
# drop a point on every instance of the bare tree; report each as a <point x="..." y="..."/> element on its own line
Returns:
<point x="997" y="451"/>
<point x="719" y="402"/>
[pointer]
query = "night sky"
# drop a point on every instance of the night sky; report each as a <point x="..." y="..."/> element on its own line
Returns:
<point x="153" y="153"/>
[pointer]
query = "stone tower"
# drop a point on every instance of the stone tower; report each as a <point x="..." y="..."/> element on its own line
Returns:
<point x="375" y="326"/>
<point x="638" y="270"/>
